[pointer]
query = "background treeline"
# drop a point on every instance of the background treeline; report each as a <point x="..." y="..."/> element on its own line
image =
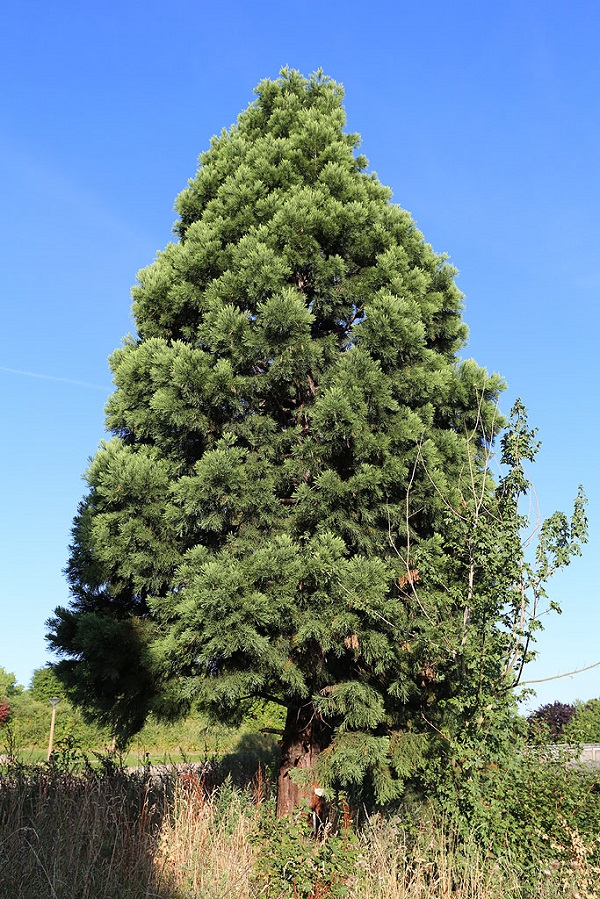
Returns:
<point x="556" y="722"/>
<point x="28" y="712"/>
<point x="26" y="724"/>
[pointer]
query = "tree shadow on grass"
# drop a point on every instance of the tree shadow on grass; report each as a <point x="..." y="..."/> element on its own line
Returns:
<point x="255" y="756"/>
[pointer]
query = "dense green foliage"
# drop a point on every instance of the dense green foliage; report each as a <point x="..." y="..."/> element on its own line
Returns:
<point x="584" y="725"/>
<point x="296" y="503"/>
<point x="194" y="738"/>
<point x="30" y="727"/>
<point x="542" y="810"/>
<point x="8" y="684"/>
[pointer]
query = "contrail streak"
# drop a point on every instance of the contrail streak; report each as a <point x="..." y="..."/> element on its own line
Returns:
<point x="34" y="374"/>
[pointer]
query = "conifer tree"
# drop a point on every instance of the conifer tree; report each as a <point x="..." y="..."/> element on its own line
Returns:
<point x="291" y="425"/>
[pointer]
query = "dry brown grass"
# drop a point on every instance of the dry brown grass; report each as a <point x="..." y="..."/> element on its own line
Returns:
<point x="431" y="867"/>
<point x="67" y="837"/>
<point x="205" y="846"/>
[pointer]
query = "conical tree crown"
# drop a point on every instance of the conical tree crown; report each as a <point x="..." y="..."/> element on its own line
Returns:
<point x="260" y="505"/>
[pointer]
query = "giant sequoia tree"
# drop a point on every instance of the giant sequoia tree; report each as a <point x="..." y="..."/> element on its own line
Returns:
<point x="279" y="511"/>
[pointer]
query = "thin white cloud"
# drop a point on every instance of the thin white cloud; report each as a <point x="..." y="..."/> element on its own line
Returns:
<point x="42" y="377"/>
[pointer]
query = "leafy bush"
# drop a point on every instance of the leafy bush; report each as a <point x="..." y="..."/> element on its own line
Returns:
<point x="31" y="724"/>
<point x="291" y="862"/>
<point x="584" y="726"/>
<point x="540" y="807"/>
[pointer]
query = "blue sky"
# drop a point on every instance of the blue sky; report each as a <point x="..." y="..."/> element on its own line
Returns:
<point x="482" y="117"/>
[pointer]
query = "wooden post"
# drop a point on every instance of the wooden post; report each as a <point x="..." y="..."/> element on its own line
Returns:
<point x="53" y="702"/>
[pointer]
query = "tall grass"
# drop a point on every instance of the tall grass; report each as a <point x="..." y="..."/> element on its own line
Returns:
<point x="64" y="836"/>
<point x="206" y="847"/>
<point x="116" y="836"/>
<point x="430" y="865"/>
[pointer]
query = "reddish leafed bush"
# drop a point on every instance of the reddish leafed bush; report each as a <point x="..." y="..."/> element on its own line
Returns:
<point x="554" y="717"/>
<point x="4" y="713"/>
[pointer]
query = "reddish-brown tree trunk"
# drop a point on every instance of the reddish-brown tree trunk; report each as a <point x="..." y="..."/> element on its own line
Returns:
<point x="304" y="737"/>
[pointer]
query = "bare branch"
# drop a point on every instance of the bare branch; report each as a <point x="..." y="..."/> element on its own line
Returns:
<point x="543" y="680"/>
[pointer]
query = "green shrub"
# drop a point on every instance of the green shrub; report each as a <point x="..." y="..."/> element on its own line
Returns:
<point x="31" y="724"/>
<point x="540" y="808"/>
<point x="584" y="726"/>
<point x="293" y="862"/>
